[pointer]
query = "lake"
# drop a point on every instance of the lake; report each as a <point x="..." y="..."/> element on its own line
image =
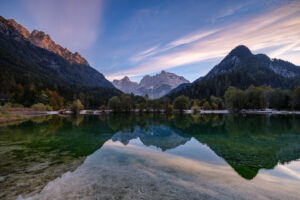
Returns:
<point x="153" y="156"/>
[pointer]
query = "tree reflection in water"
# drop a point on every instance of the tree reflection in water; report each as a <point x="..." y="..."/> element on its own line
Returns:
<point x="38" y="151"/>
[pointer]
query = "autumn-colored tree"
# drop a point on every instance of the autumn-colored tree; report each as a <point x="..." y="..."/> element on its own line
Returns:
<point x="206" y="105"/>
<point x="195" y="105"/>
<point x="55" y="100"/>
<point x="77" y="106"/>
<point x="214" y="106"/>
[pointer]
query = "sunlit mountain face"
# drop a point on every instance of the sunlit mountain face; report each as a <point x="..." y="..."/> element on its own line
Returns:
<point x="120" y="155"/>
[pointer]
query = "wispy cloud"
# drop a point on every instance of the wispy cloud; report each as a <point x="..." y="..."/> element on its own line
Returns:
<point x="284" y="49"/>
<point x="278" y="29"/>
<point x="174" y="44"/>
<point x="144" y="54"/>
<point x="192" y="38"/>
<point x="72" y="23"/>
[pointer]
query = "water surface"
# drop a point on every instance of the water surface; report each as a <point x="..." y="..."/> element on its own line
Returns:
<point x="151" y="157"/>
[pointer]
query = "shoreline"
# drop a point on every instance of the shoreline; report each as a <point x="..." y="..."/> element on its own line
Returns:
<point x="267" y="111"/>
<point x="13" y="116"/>
<point x="98" y="112"/>
<point x="8" y="117"/>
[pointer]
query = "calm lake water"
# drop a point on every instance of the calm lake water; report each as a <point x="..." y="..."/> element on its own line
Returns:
<point x="151" y="157"/>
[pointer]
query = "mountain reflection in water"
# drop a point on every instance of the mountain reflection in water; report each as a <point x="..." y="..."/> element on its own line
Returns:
<point x="37" y="156"/>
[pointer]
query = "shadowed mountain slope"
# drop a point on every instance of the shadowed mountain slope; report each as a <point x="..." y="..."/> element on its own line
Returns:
<point x="241" y="68"/>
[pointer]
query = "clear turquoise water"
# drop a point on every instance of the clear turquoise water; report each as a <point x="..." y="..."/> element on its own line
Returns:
<point x="151" y="157"/>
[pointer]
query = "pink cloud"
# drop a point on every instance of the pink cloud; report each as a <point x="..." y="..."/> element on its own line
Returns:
<point x="278" y="29"/>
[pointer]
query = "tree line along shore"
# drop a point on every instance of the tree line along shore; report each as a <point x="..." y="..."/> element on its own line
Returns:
<point x="251" y="100"/>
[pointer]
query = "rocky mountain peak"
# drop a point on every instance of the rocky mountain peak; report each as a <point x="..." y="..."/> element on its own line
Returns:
<point x="126" y="78"/>
<point x="240" y="51"/>
<point x="241" y="57"/>
<point x="40" y="39"/>
<point x="241" y="69"/>
<point x="238" y="55"/>
<point x="155" y="86"/>
<point x="40" y="34"/>
<point x="125" y="85"/>
<point x="23" y="31"/>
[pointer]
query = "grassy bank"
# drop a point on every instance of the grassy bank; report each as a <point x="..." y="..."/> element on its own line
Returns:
<point x="7" y="118"/>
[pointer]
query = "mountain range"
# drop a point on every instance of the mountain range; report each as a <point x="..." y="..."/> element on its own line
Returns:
<point x="155" y="86"/>
<point x="241" y="68"/>
<point x="34" y="60"/>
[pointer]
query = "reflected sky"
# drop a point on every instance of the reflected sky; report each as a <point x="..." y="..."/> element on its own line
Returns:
<point x="135" y="171"/>
<point x="151" y="157"/>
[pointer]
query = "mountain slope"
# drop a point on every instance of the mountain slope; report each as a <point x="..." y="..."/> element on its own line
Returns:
<point x="126" y="85"/>
<point x="24" y="63"/>
<point x="40" y="39"/>
<point x="240" y="68"/>
<point x="180" y="87"/>
<point x="155" y="86"/>
<point x="241" y="57"/>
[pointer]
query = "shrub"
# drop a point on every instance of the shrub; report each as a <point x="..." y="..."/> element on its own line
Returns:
<point x="77" y="106"/>
<point x="215" y="106"/>
<point x="195" y="105"/>
<point x="102" y="107"/>
<point x="7" y="105"/>
<point x="13" y="105"/>
<point x="216" y="102"/>
<point x="206" y="106"/>
<point x="41" y="107"/>
<point x="169" y="109"/>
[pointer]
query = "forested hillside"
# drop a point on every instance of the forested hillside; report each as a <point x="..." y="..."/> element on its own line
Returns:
<point x="28" y="71"/>
<point x="242" y="69"/>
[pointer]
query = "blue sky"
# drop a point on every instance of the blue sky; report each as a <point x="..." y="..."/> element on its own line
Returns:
<point x="138" y="37"/>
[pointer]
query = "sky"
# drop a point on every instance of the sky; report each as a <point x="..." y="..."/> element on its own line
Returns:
<point x="139" y="37"/>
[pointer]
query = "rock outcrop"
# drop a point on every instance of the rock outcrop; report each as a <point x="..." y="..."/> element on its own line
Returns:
<point x="35" y="59"/>
<point x="155" y="86"/>
<point x="126" y="85"/>
<point x="40" y="39"/>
